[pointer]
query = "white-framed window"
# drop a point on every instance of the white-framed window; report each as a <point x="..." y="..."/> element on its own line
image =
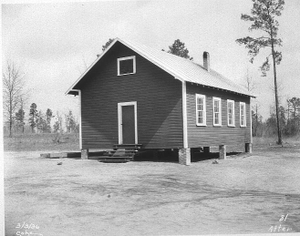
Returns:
<point x="242" y="114"/>
<point x="126" y="65"/>
<point x="200" y="110"/>
<point x="217" y="116"/>
<point x="230" y="113"/>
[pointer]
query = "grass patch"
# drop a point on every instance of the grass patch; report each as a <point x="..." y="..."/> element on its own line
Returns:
<point x="70" y="142"/>
<point x="40" y="142"/>
<point x="262" y="144"/>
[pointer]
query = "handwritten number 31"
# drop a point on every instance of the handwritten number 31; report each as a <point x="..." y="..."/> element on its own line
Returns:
<point x="283" y="217"/>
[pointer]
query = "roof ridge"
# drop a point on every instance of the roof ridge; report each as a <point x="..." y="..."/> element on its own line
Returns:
<point x="161" y="51"/>
<point x="181" y="68"/>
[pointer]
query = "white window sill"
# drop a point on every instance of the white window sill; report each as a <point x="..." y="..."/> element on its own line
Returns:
<point x="201" y="125"/>
<point x="127" y="74"/>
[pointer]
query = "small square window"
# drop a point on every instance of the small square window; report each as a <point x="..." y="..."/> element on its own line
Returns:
<point x="126" y="66"/>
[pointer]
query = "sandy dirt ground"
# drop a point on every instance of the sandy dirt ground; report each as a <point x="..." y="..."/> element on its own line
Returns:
<point x="86" y="197"/>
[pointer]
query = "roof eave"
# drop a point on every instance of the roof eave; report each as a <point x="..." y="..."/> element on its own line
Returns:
<point x="90" y="67"/>
<point x="74" y="92"/>
<point x="225" y="90"/>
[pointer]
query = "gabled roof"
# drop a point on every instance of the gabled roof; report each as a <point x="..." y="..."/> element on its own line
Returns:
<point x="181" y="68"/>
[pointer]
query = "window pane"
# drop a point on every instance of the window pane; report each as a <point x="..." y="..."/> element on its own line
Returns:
<point x="216" y="118"/>
<point x="126" y="66"/>
<point x="200" y="106"/>
<point x="243" y="115"/>
<point x="200" y="117"/>
<point x="230" y="113"/>
<point x="216" y="105"/>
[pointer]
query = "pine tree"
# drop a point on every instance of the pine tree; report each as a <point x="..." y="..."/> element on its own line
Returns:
<point x="41" y="122"/>
<point x="19" y="117"/>
<point x="263" y="18"/>
<point x="178" y="48"/>
<point x="33" y="116"/>
<point x="49" y="116"/>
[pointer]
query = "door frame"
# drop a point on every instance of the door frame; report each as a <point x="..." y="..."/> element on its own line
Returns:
<point x="120" y="120"/>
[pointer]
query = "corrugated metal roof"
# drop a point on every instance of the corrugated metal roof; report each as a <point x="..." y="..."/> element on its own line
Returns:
<point x="181" y="68"/>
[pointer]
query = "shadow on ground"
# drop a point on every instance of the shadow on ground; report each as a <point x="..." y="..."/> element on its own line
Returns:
<point x="172" y="155"/>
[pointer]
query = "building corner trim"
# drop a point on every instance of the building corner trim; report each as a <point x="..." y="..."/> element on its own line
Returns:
<point x="184" y="115"/>
<point x="80" y="120"/>
<point x="250" y="121"/>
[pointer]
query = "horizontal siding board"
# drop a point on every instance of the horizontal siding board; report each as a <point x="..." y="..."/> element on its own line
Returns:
<point x="158" y="97"/>
<point x="210" y="135"/>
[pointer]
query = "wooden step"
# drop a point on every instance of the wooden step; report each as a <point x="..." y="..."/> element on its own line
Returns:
<point x="123" y="153"/>
<point x="114" y="161"/>
<point x="127" y="146"/>
<point x="119" y="156"/>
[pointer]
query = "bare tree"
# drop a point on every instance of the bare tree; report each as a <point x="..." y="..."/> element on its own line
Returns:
<point x="13" y="91"/>
<point x="250" y="85"/>
<point x="57" y="127"/>
<point x="71" y="124"/>
<point x="249" y="82"/>
<point x="81" y="69"/>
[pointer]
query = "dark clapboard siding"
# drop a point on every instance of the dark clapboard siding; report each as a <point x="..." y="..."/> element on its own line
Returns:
<point x="210" y="135"/>
<point x="158" y="97"/>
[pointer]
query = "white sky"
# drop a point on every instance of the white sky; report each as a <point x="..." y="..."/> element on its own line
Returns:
<point x="52" y="42"/>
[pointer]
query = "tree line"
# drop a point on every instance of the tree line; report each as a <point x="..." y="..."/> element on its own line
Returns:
<point x="263" y="19"/>
<point x="15" y="96"/>
<point x="289" y="118"/>
<point x="42" y="122"/>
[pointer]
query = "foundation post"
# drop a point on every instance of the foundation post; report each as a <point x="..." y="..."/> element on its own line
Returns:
<point x="222" y="152"/>
<point x="248" y="147"/>
<point x="184" y="155"/>
<point x="84" y="153"/>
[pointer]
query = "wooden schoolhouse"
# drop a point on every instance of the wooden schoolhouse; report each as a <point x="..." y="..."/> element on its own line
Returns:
<point x="133" y="95"/>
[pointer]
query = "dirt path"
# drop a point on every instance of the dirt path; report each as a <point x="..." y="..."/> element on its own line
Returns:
<point x="85" y="197"/>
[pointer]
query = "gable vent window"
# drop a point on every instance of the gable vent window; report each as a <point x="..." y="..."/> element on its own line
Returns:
<point x="126" y="65"/>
